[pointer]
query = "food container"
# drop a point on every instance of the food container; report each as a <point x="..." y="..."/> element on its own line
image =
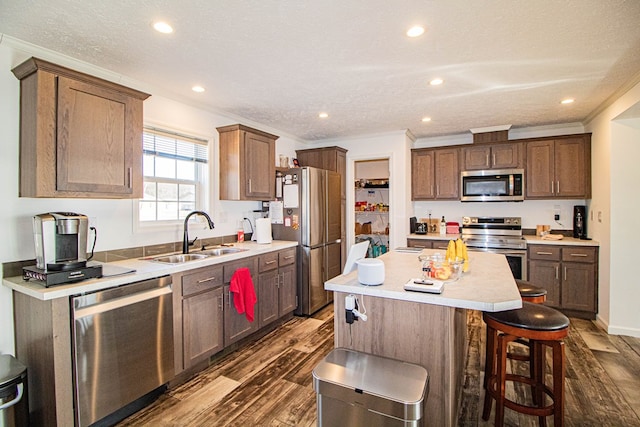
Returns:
<point x="436" y="267"/>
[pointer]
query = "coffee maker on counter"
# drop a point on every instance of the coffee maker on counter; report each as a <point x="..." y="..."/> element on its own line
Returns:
<point x="580" y="222"/>
<point x="61" y="249"/>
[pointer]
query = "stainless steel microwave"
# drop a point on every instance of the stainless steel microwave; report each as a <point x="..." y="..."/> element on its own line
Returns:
<point x="496" y="185"/>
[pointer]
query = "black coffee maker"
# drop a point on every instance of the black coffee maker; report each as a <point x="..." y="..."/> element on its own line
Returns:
<point x="580" y="222"/>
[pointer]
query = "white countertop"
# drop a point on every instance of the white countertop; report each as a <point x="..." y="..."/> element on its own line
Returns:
<point x="145" y="269"/>
<point x="487" y="286"/>
<point x="531" y="239"/>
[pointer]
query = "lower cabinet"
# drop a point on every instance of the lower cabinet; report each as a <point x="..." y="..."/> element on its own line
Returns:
<point x="205" y="318"/>
<point x="277" y="285"/>
<point x="236" y="325"/>
<point x="569" y="274"/>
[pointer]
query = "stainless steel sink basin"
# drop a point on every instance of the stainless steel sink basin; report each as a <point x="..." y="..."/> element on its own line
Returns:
<point x="221" y="251"/>
<point x="178" y="259"/>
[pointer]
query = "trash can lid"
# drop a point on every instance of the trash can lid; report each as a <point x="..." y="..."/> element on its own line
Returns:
<point x="388" y="378"/>
<point x="10" y="370"/>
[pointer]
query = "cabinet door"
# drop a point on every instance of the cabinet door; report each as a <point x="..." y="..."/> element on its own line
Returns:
<point x="202" y="321"/>
<point x="546" y="274"/>
<point x="571" y="168"/>
<point x="236" y="325"/>
<point x="288" y="290"/>
<point x="507" y="155"/>
<point x="268" y="301"/>
<point x="477" y="158"/>
<point x="440" y="244"/>
<point x="578" y="286"/>
<point x="540" y="173"/>
<point x="422" y="175"/>
<point x="98" y="140"/>
<point x="260" y="169"/>
<point x="447" y="174"/>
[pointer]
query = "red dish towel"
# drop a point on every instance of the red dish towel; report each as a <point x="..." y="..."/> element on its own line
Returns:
<point x="244" y="297"/>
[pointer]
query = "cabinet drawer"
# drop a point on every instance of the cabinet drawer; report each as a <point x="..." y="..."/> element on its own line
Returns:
<point x="579" y="254"/>
<point x="544" y="252"/>
<point x="268" y="262"/>
<point x="287" y="257"/>
<point x="419" y="243"/>
<point x="231" y="267"/>
<point x="201" y="280"/>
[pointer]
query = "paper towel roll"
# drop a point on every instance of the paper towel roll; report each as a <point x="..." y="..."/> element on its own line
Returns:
<point x="263" y="230"/>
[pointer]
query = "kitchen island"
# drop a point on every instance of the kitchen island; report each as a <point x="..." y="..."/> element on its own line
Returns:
<point x="422" y="328"/>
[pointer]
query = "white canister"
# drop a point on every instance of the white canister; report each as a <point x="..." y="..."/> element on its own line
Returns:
<point x="370" y="271"/>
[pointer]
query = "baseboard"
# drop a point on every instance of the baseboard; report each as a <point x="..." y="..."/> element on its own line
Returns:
<point x="617" y="330"/>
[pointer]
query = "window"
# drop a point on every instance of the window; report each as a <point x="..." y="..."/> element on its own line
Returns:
<point x="174" y="168"/>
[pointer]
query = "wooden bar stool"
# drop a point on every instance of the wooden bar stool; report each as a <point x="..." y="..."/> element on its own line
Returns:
<point x="531" y="293"/>
<point x="543" y="327"/>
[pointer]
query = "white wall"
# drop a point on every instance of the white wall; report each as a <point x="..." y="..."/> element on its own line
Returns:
<point x="114" y="219"/>
<point x="615" y="176"/>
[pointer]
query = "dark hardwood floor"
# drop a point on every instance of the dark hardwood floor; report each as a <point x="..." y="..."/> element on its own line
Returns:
<point x="268" y="382"/>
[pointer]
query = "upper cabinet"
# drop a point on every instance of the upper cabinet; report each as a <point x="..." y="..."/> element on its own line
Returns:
<point x="506" y="155"/>
<point x="247" y="163"/>
<point x="559" y="167"/>
<point x="435" y="174"/>
<point x="80" y="136"/>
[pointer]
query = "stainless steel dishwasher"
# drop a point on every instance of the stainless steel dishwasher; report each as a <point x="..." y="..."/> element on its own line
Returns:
<point x="122" y="347"/>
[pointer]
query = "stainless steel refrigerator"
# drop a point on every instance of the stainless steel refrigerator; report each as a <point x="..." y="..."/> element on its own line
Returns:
<point x="311" y="216"/>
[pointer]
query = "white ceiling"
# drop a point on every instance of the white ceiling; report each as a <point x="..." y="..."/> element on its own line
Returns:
<point x="280" y="63"/>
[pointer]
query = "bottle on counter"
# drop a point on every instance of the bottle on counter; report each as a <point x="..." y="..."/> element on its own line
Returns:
<point x="443" y="226"/>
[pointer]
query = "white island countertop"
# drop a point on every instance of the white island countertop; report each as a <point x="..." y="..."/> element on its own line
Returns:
<point x="488" y="285"/>
<point x="144" y="269"/>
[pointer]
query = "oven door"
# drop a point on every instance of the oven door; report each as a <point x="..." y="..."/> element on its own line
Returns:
<point x="517" y="260"/>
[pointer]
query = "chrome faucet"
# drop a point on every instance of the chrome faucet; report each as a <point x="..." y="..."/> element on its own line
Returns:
<point x="185" y="241"/>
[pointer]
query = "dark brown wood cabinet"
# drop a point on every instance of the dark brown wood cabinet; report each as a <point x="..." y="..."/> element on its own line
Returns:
<point x="435" y="174"/>
<point x="277" y="285"/>
<point x="80" y="136"/>
<point x="236" y="325"/>
<point x="333" y="159"/>
<point x="198" y="315"/>
<point x="559" y="167"/>
<point x="570" y="276"/>
<point x="247" y="163"/>
<point x="507" y="155"/>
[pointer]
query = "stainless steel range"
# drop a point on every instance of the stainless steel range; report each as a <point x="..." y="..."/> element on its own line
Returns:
<point x="498" y="235"/>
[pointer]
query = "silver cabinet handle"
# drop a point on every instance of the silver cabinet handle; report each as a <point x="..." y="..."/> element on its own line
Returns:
<point x="486" y="162"/>
<point x="220" y="302"/>
<point x="557" y="272"/>
<point x="551" y="187"/>
<point x="437" y="189"/>
<point x="494" y="160"/>
<point x="289" y="257"/>
<point x="582" y="255"/>
<point x="565" y="274"/>
<point x="270" y="262"/>
<point x="558" y="187"/>
<point x="544" y="253"/>
<point x="207" y="279"/>
<point x="249" y="185"/>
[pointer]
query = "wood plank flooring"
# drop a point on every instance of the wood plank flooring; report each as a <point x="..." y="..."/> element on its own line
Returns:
<point x="268" y="382"/>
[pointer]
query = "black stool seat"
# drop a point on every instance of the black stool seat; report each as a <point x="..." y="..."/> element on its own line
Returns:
<point x="535" y="317"/>
<point x="527" y="290"/>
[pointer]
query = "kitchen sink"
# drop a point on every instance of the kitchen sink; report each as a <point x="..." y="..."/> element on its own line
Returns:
<point x="221" y="251"/>
<point x="178" y="259"/>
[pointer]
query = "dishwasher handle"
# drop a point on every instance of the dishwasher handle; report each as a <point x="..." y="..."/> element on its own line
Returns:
<point x="121" y="302"/>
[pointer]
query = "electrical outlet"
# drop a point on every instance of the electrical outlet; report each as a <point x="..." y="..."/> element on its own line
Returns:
<point x="556" y="217"/>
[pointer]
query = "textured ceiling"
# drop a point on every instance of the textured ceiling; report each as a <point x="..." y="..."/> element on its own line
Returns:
<point x="280" y="63"/>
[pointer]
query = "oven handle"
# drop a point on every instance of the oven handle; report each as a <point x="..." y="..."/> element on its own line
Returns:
<point x="513" y="252"/>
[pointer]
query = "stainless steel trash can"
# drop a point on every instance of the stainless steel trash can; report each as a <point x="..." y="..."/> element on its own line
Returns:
<point x="14" y="406"/>
<point x="360" y="389"/>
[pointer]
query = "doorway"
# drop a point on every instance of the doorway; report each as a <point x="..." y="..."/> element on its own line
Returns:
<point x="372" y="204"/>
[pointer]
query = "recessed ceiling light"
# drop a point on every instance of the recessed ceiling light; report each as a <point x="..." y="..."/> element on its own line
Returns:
<point x="415" y="31"/>
<point x="567" y="101"/>
<point x="436" y="82"/>
<point x="426" y="119"/>
<point x="163" y="27"/>
<point x="323" y="115"/>
<point x="198" y="89"/>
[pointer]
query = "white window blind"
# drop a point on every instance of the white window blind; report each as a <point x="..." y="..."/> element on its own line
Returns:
<point x="174" y="167"/>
